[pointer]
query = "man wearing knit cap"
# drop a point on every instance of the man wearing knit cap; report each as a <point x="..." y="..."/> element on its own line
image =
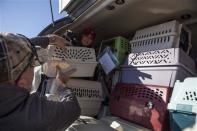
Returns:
<point x="20" y="110"/>
<point x="85" y="39"/>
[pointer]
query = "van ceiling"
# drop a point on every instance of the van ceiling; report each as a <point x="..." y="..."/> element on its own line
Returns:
<point x="125" y="19"/>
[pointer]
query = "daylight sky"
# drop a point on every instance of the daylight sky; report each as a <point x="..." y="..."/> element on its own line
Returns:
<point x="28" y="17"/>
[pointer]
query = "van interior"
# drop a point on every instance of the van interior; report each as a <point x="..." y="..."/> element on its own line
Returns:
<point x="112" y="18"/>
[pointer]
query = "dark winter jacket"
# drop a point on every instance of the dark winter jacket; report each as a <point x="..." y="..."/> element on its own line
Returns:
<point x="21" y="111"/>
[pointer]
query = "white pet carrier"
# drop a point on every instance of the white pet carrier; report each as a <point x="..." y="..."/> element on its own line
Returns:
<point x="167" y="35"/>
<point x="184" y="96"/>
<point x="164" y="57"/>
<point x="89" y="95"/>
<point x="161" y="76"/>
<point x="81" y="58"/>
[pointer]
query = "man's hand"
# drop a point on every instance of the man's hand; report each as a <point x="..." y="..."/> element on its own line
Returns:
<point x="63" y="77"/>
<point x="57" y="40"/>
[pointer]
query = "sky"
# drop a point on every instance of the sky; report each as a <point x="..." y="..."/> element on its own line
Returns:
<point x="27" y="17"/>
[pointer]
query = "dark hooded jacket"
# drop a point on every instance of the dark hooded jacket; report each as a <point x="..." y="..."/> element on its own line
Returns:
<point x="21" y="111"/>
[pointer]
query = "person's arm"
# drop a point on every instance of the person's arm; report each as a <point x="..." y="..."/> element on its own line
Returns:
<point x="44" y="41"/>
<point x="23" y="111"/>
<point x="57" y="40"/>
<point x="58" y="114"/>
<point x="50" y="115"/>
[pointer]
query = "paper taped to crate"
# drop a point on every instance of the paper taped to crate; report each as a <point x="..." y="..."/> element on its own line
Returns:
<point x="107" y="60"/>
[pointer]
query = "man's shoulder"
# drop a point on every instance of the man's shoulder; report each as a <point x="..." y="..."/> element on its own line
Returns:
<point x="7" y="87"/>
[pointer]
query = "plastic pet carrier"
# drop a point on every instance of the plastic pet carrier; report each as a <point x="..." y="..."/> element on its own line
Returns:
<point x="81" y="58"/>
<point x="164" y="57"/>
<point x="183" y="105"/>
<point x="162" y="76"/>
<point x="145" y="105"/>
<point x="119" y="46"/>
<point x="163" y="36"/>
<point x="89" y="95"/>
<point x="184" y="96"/>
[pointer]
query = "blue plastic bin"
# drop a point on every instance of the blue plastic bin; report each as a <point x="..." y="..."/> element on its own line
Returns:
<point x="181" y="120"/>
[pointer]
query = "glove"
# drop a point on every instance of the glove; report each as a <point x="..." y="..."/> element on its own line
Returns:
<point x="63" y="77"/>
<point x="57" y="40"/>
